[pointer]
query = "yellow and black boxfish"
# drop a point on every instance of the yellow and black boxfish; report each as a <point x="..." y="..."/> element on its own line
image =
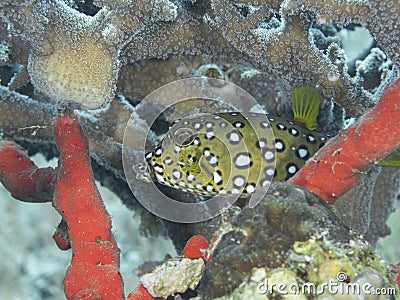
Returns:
<point x="229" y="153"/>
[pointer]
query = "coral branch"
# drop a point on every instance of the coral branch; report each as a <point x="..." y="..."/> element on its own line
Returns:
<point x="22" y="177"/>
<point x="336" y="168"/>
<point x="196" y="247"/>
<point x="94" y="270"/>
<point x="25" y="117"/>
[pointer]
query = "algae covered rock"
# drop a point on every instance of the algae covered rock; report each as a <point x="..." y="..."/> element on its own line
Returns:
<point x="292" y="246"/>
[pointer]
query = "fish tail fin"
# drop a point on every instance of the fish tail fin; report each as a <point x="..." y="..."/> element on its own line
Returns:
<point x="391" y="160"/>
<point x="305" y="105"/>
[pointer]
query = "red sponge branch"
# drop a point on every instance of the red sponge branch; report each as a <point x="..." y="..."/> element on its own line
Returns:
<point x="338" y="165"/>
<point x="94" y="270"/>
<point x="22" y="177"/>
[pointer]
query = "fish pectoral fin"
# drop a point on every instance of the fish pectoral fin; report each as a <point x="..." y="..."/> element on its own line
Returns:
<point x="206" y="170"/>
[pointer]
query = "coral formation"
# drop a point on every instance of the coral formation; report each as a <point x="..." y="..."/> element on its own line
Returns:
<point x="174" y="276"/>
<point x="311" y="272"/>
<point x="141" y="293"/>
<point x="259" y="238"/>
<point x="24" y="180"/>
<point x="98" y="60"/>
<point x="196" y="247"/>
<point x="86" y="225"/>
<point x="257" y="245"/>
<point x="94" y="250"/>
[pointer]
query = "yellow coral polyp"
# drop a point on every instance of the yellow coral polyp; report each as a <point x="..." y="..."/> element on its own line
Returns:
<point x="79" y="71"/>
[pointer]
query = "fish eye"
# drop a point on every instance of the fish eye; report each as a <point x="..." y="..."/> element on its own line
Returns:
<point x="183" y="136"/>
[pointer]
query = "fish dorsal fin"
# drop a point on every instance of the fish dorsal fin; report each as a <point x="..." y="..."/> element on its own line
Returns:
<point x="305" y="104"/>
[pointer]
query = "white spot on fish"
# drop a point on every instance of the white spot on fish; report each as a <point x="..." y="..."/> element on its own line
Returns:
<point x="279" y="145"/>
<point x="268" y="155"/>
<point x="294" y="131"/>
<point x="160" y="178"/>
<point x="292" y="169"/>
<point x="238" y="124"/>
<point x="209" y="134"/>
<point x="168" y="161"/>
<point x="250" y="188"/>
<point x="303" y="153"/>
<point x="265" y="183"/>
<point x="243" y="160"/>
<point x="311" y="138"/>
<point x="158" y="169"/>
<point x="177" y="174"/>
<point x="217" y="177"/>
<point x="270" y="171"/>
<point x="238" y="181"/>
<point x="262" y="143"/>
<point x="158" y="152"/>
<point x="213" y="161"/>
<point x="234" y="137"/>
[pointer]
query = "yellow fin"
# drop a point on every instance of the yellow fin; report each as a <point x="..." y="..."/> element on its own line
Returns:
<point x="391" y="160"/>
<point x="305" y="104"/>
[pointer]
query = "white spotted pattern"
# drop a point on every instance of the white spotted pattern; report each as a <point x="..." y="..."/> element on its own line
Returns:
<point x="303" y="153"/>
<point x="213" y="161"/>
<point x="268" y="155"/>
<point x="278" y="145"/>
<point x="209" y="134"/>
<point x="234" y="137"/>
<point x="239" y="181"/>
<point x="250" y="188"/>
<point x="217" y="178"/>
<point x="242" y="160"/>
<point x="177" y="174"/>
